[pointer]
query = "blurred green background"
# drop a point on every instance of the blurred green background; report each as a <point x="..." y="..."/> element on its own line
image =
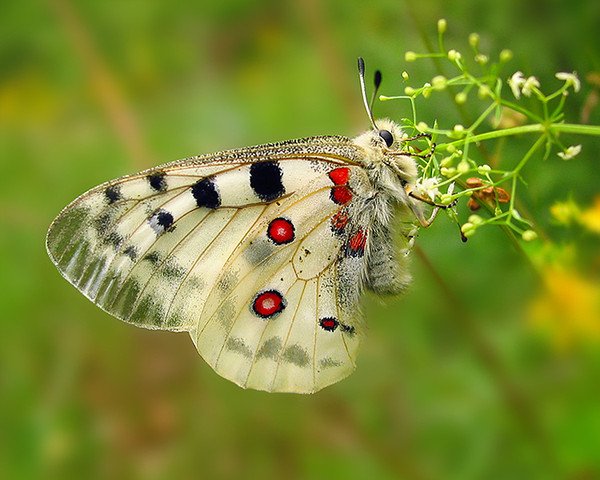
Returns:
<point x="489" y="367"/>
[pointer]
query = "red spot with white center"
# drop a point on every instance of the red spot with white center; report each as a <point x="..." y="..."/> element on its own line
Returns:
<point x="268" y="304"/>
<point x="357" y="243"/>
<point x="328" y="323"/>
<point x="339" y="222"/>
<point x="281" y="231"/>
<point x="339" y="176"/>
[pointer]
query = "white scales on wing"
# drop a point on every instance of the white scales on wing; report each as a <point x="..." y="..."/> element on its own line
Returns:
<point x="260" y="253"/>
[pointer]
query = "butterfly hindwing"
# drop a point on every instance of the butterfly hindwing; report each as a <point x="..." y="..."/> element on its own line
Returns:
<point x="270" y="322"/>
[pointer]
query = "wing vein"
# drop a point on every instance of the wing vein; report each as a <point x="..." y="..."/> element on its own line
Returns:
<point x="196" y="262"/>
<point x="168" y="255"/>
<point x="337" y="308"/>
<point x="288" y="333"/>
<point x="297" y="247"/>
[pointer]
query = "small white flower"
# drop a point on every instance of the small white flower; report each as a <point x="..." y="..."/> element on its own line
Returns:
<point x="515" y="83"/>
<point x="570" y="152"/>
<point x="529" y="85"/>
<point x="570" y="79"/>
<point x="519" y="84"/>
<point x="428" y="187"/>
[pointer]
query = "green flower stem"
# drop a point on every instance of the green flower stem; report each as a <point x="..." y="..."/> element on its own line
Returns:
<point x="574" y="128"/>
<point x="534" y="128"/>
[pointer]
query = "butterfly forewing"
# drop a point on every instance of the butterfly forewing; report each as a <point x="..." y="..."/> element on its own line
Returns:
<point x="252" y="251"/>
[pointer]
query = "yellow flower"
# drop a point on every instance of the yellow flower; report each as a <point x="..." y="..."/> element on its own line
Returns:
<point x="568" y="212"/>
<point x="590" y="218"/>
<point x="565" y="212"/>
<point x="568" y="311"/>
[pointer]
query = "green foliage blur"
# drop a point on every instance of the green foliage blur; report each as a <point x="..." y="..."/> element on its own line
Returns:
<point x="489" y="366"/>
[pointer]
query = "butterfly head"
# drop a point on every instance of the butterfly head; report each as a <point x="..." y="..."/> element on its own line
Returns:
<point x="382" y="146"/>
<point x="383" y="155"/>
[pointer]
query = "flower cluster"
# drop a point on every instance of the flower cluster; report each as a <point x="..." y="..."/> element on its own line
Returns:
<point x="458" y="155"/>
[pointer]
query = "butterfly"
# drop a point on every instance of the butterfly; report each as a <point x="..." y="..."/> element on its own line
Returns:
<point x="261" y="254"/>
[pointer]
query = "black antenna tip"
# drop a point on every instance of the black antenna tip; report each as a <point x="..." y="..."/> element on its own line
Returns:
<point x="377" y="79"/>
<point x="361" y="66"/>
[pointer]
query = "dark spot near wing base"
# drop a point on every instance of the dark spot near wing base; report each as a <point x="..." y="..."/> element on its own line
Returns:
<point x="113" y="194"/>
<point x="206" y="194"/>
<point x="157" y="181"/>
<point x="266" y="180"/>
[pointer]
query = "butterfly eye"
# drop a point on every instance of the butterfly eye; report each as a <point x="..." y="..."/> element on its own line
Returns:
<point x="387" y="137"/>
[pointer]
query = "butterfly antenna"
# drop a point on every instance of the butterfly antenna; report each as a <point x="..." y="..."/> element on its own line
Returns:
<point x="376" y="83"/>
<point x="363" y="89"/>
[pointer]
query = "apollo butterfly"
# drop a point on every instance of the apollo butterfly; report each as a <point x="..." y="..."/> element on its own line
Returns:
<point x="261" y="254"/>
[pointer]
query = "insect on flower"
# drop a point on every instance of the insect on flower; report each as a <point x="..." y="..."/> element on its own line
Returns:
<point x="261" y="253"/>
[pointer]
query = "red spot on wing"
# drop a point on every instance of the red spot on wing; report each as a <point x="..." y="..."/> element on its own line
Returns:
<point x="339" y="221"/>
<point x="328" y="323"/>
<point x="269" y="303"/>
<point x="339" y="176"/>
<point x="357" y="243"/>
<point x="281" y="231"/>
<point x="341" y="195"/>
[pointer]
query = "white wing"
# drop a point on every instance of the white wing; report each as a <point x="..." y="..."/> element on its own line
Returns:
<point x="192" y="246"/>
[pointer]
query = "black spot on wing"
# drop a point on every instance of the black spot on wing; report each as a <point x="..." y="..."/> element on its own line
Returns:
<point x="297" y="355"/>
<point x="165" y="219"/>
<point x="114" y="239"/>
<point x="171" y="270"/>
<point x="152" y="257"/>
<point x="112" y="194"/>
<point x="258" y="251"/>
<point x="131" y="252"/>
<point x="157" y="181"/>
<point x="161" y="221"/>
<point x="206" y="194"/>
<point x="349" y="329"/>
<point x="270" y="348"/>
<point x="266" y="180"/>
<point x="102" y="222"/>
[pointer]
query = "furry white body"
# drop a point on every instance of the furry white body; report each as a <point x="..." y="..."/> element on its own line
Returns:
<point x="261" y="253"/>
